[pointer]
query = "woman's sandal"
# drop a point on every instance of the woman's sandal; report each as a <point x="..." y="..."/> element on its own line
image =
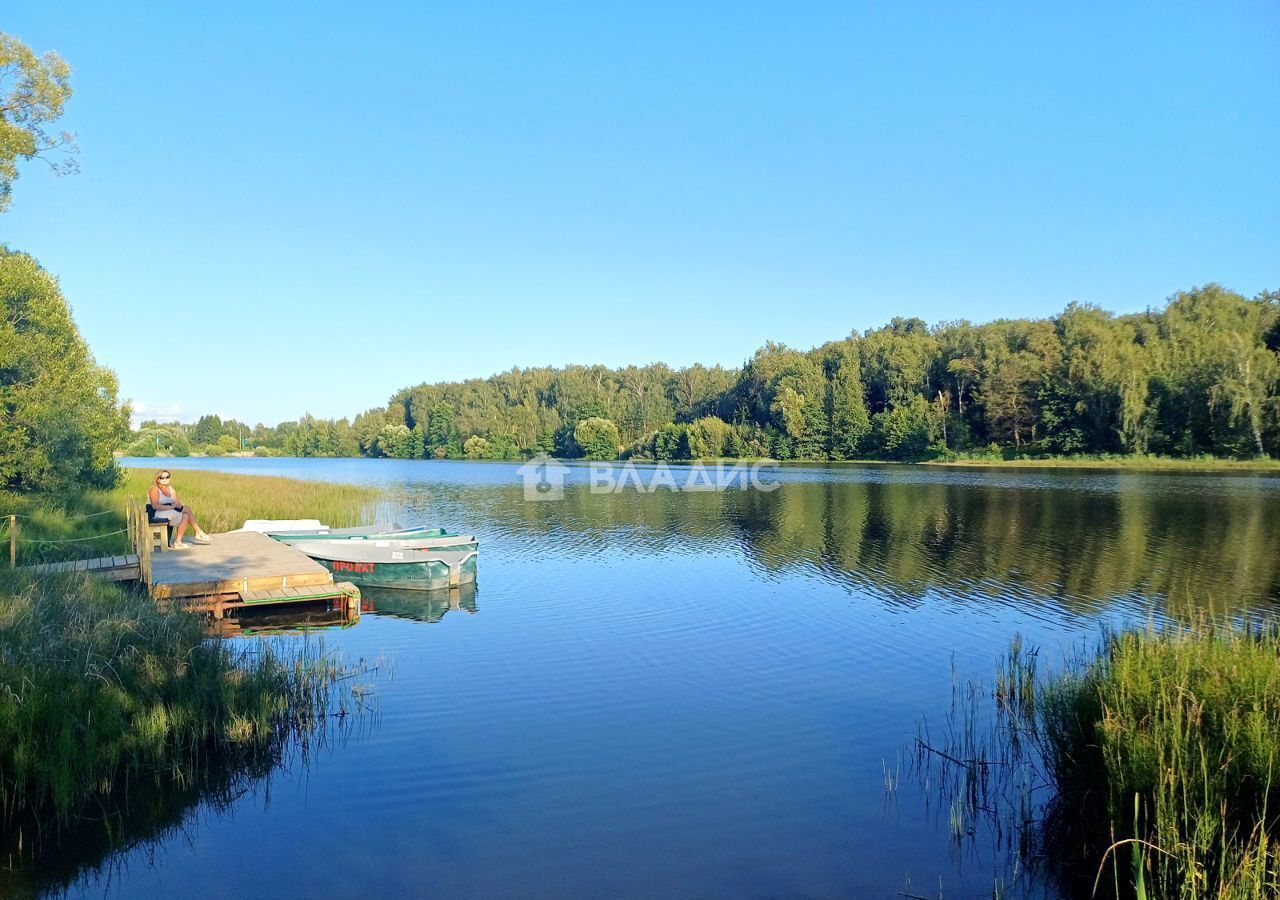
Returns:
<point x="201" y="539"/>
<point x="180" y="545"/>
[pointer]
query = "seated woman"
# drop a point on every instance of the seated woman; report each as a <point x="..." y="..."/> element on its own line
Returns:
<point x="164" y="500"/>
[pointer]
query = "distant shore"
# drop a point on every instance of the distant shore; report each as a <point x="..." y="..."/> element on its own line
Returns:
<point x="1135" y="463"/>
<point x="1131" y="463"/>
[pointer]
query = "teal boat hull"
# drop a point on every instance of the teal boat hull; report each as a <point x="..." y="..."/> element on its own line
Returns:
<point x="419" y="559"/>
<point x="417" y="575"/>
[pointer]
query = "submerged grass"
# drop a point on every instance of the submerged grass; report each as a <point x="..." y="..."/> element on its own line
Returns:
<point x="52" y="528"/>
<point x="1161" y="753"/>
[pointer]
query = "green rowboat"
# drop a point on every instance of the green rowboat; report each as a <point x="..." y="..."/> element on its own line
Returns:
<point x="417" y="558"/>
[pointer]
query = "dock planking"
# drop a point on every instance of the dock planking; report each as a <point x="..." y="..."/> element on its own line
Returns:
<point x="110" y="568"/>
<point x="240" y="562"/>
<point x="236" y="571"/>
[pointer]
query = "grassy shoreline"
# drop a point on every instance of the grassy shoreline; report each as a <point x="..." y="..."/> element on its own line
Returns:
<point x="106" y="699"/>
<point x="1135" y="463"/>
<point x="91" y="523"/>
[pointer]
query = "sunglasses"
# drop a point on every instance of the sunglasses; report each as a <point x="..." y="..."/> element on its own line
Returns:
<point x="164" y="477"/>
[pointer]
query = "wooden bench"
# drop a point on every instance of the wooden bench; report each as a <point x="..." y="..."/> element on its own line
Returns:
<point x="145" y="528"/>
<point x="156" y="531"/>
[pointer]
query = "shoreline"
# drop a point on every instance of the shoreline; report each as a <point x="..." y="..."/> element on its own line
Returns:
<point x="1136" y="463"/>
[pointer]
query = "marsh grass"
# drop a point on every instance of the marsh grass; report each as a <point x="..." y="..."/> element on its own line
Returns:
<point x="117" y="718"/>
<point x="86" y="525"/>
<point x="110" y="707"/>
<point x="100" y="689"/>
<point x="1159" y="753"/>
<point x="223" y="501"/>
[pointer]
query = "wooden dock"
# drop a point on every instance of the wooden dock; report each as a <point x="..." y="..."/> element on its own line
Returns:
<point x="242" y="569"/>
<point x="236" y="563"/>
<point x="237" y="570"/>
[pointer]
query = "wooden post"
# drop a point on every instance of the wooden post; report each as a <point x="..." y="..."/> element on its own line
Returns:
<point x="13" y="542"/>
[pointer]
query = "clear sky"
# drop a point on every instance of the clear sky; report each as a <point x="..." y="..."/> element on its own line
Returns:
<point x="289" y="208"/>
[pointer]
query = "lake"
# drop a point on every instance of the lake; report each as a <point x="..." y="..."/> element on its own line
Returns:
<point x="694" y="694"/>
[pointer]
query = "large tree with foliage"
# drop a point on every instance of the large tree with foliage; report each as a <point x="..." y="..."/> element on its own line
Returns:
<point x="33" y="92"/>
<point x="847" y="403"/>
<point x="60" y="413"/>
<point x="596" y="438"/>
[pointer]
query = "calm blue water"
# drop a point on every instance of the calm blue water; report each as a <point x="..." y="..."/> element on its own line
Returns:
<point x="698" y="694"/>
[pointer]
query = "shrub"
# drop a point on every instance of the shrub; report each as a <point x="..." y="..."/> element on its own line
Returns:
<point x="141" y="447"/>
<point x="596" y="438"/>
<point x="477" y="447"/>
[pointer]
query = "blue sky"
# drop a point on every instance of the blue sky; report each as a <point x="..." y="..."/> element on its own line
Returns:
<point x="302" y="208"/>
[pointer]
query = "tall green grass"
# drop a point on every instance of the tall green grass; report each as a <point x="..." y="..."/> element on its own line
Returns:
<point x="1160" y="753"/>
<point x="100" y="689"/>
<point x="69" y="526"/>
<point x="1172" y="739"/>
<point x="224" y="501"/>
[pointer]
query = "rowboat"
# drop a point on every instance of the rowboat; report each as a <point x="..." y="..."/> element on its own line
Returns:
<point x="383" y="555"/>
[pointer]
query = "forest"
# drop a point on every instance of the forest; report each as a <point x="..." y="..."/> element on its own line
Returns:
<point x="1198" y="377"/>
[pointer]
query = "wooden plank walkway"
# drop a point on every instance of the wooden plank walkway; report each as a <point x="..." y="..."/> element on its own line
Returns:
<point x="111" y="568"/>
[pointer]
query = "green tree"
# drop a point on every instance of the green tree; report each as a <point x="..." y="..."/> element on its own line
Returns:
<point x="442" y="428"/>
<point x="476" y="447"/>
<point x="208" y="430"/>
<point x="596" y="438"/>
<point x="896" y="361"/>
<point x="33" y="92"/>
<point x="60" y="415"/>
<point x="850" y="424"/>
<point x="1008" y="395"/>
<point x="669" y="442"/>
<point x="707" y="437"/>
<point x="907" y="430"/>
<point x="396" y="441"/>
<point x="1246" y="386"/>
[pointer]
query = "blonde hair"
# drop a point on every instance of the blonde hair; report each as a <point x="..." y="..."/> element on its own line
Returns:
<point x="159" y="474"/>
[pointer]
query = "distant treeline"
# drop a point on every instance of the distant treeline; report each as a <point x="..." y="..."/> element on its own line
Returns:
<point x="1201" y="376"/>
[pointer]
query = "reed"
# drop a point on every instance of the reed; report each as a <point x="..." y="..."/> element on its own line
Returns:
<point x="103" y="695"/>
<point x="1171" y="741"/>
<point x="1160" y="750"/>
